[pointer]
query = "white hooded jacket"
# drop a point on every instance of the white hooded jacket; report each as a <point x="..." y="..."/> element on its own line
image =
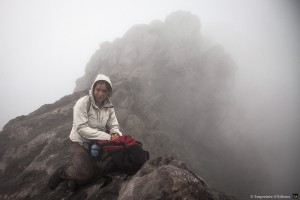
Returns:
<point x="90" y="122"/>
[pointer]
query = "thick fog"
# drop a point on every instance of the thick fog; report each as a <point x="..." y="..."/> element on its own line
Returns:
<point x="45" y="47"/>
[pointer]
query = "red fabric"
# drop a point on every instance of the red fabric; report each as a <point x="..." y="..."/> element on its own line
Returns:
<point x="121" y="142"/>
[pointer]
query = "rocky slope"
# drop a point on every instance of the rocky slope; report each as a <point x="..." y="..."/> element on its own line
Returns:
<point x="172" y="92"/>
<point x="33" y="146"/>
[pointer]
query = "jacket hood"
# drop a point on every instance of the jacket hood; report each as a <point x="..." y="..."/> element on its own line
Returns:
<point x="101" y="77"/>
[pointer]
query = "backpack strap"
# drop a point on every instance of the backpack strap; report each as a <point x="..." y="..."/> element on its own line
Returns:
<point x="88" y="107"/>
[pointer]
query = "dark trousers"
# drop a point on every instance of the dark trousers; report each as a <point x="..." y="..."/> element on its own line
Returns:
<point x="83" y="168"/>
<point x="80" y="167"/>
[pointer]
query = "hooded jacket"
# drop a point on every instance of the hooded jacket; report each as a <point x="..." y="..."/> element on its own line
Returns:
<point x="91" y="122"/>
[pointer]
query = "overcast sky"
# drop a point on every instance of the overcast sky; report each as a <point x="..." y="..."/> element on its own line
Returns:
<point x="45" y="45"/>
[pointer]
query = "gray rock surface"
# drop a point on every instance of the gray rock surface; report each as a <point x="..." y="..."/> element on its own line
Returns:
<point x="166" y="178"/>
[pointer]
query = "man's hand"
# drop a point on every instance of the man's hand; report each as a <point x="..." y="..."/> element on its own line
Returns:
<point x="114" y="136"/>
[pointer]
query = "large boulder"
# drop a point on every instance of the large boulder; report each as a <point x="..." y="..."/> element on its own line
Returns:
<point x="166" y="178"/>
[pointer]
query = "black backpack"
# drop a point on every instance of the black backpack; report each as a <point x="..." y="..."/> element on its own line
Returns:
<point x="124" y="154"/>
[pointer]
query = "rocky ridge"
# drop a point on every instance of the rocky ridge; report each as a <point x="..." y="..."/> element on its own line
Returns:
<point x="33" y="146"/>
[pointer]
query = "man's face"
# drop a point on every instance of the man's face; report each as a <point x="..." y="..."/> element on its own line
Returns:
<point x="100" y="93"/>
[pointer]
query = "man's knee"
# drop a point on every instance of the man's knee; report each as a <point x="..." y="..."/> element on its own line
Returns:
<point x="80" y="167"/>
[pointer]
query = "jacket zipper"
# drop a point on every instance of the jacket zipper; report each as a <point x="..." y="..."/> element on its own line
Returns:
<point x="99" y="115"/>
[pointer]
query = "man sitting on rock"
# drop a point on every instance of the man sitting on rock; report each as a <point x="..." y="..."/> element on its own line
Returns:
<point x="93" y="117"/>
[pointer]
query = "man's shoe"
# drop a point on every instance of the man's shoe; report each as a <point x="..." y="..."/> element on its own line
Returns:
<point x="55" y="179"/>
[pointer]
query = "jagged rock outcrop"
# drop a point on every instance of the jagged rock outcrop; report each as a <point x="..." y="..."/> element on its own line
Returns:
<point x="171" y="92"/>
<point x="171" y="85"/>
